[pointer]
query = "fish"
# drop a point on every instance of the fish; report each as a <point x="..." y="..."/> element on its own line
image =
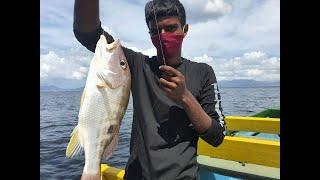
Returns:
<point x="103" y="104"/>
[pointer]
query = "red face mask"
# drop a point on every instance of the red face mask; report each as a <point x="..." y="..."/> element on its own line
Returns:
<point x="171" y="44"/>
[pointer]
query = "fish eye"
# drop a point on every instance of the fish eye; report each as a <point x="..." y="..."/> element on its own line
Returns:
<point x="123" y="64"/>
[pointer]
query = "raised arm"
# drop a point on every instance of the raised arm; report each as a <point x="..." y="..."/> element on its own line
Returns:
<point x="87" y="29"/>
<point x="86" y="15"/>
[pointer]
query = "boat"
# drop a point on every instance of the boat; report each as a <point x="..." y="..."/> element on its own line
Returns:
<point x="250" y="150"/>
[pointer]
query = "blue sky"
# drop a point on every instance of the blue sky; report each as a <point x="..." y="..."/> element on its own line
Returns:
<point x="240" y="39"/>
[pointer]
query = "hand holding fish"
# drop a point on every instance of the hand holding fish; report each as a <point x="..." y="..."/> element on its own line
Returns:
<point x="174" y="86"/>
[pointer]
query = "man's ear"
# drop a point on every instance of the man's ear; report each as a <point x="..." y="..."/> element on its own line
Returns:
<point x="185" y="29"/>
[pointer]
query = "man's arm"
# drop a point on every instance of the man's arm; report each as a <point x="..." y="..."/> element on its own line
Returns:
<point x="86" y="15"/>
<point x="87" y="29"/>
<point x="86" y="23"/>
<point x="211" y="125"/>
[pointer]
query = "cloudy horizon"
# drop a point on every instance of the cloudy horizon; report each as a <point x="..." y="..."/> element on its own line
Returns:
<point x="240" y="39"/>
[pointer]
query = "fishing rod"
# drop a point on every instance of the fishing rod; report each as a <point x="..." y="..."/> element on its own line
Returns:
<point x="155" y="17"/>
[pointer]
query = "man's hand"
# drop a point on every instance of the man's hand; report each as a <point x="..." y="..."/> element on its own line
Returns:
<point x="174" y="84"/>
<point x="175" y="88"/>
<point x="86" y="15"/>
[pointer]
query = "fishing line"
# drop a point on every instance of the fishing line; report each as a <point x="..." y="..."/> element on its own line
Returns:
<point x="154" y="13"/>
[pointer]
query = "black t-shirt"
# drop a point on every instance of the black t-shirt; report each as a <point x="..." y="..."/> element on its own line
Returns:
<point x="163" y="141"/>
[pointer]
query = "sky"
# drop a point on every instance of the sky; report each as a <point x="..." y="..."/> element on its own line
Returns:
<point x="240" y="39"/>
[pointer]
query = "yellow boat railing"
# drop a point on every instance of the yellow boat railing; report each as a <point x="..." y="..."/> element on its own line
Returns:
<point x="247" y="149"/>
<point x="240" y="149"/>
<point x="111" y="173"/>
<point x="254" y="124"/>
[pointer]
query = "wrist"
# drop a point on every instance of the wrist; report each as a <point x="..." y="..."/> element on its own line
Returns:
<point x="186" y="98"/>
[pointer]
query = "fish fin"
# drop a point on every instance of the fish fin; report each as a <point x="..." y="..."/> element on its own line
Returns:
<point x="101" y="85"/>
<point x="74" y="147"/>
<point x="111" y="147"/>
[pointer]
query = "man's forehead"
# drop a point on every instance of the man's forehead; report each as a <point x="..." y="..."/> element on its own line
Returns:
<point x="165" y="20"/>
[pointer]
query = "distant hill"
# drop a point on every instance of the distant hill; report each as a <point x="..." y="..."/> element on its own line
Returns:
<point x="75" y="89"/>
<point x="248" y="83"/>
<point x="245" y="83"/>
<point x="51" y="88"/>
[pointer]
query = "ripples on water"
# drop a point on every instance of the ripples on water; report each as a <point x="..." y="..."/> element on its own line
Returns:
<point x="58" y="117"/>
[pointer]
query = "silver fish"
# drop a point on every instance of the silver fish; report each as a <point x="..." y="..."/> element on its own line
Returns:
<point x="103" y="104"/>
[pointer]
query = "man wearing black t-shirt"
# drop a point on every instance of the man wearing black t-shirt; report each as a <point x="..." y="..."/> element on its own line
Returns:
<point x="174" y="104"/>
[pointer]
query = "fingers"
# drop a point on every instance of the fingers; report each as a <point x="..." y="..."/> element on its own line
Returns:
<point x="174" y="75"/>
<point x="167" y="84"/>
<point x="176" y="80"/>
<point x="166" y="90"/>
<point x="170" y="70"/>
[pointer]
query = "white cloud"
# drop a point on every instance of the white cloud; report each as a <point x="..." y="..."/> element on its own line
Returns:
<point x="241" y="38"/>
<point x="204" y="59"/>
<point x="71" y="65"/>
<point x="254" y="72"/>
<point x="254" y="55"/>
<point x="250" y="26"/>
<point x="149" y="52"/>
<point x="252" y="65"/>
<point x="127" y="22"/>
<point x="74" y="66"/>
<point x="205" y="10"/>
<point x="79" y="73"/>
<point x="217" y="6"/>
<point x="242" y="26"/>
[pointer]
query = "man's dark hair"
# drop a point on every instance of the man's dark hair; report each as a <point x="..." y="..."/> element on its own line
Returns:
<point x="165" y="8"/>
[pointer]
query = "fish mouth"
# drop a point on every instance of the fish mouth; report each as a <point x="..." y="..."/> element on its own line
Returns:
<point x="112" y="46"/>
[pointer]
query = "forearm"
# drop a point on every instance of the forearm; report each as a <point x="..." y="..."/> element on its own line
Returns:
<point x="86" y="15"/>
<point x="211" y="130"/>
<point x="198" y="117"/>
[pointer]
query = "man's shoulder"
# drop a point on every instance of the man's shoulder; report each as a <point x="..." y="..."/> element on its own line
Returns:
<point x="204" y="67"/>
<point x="134" y="53"/>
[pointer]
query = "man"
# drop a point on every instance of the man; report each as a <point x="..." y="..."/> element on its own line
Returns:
<point x="174" y="104"/>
